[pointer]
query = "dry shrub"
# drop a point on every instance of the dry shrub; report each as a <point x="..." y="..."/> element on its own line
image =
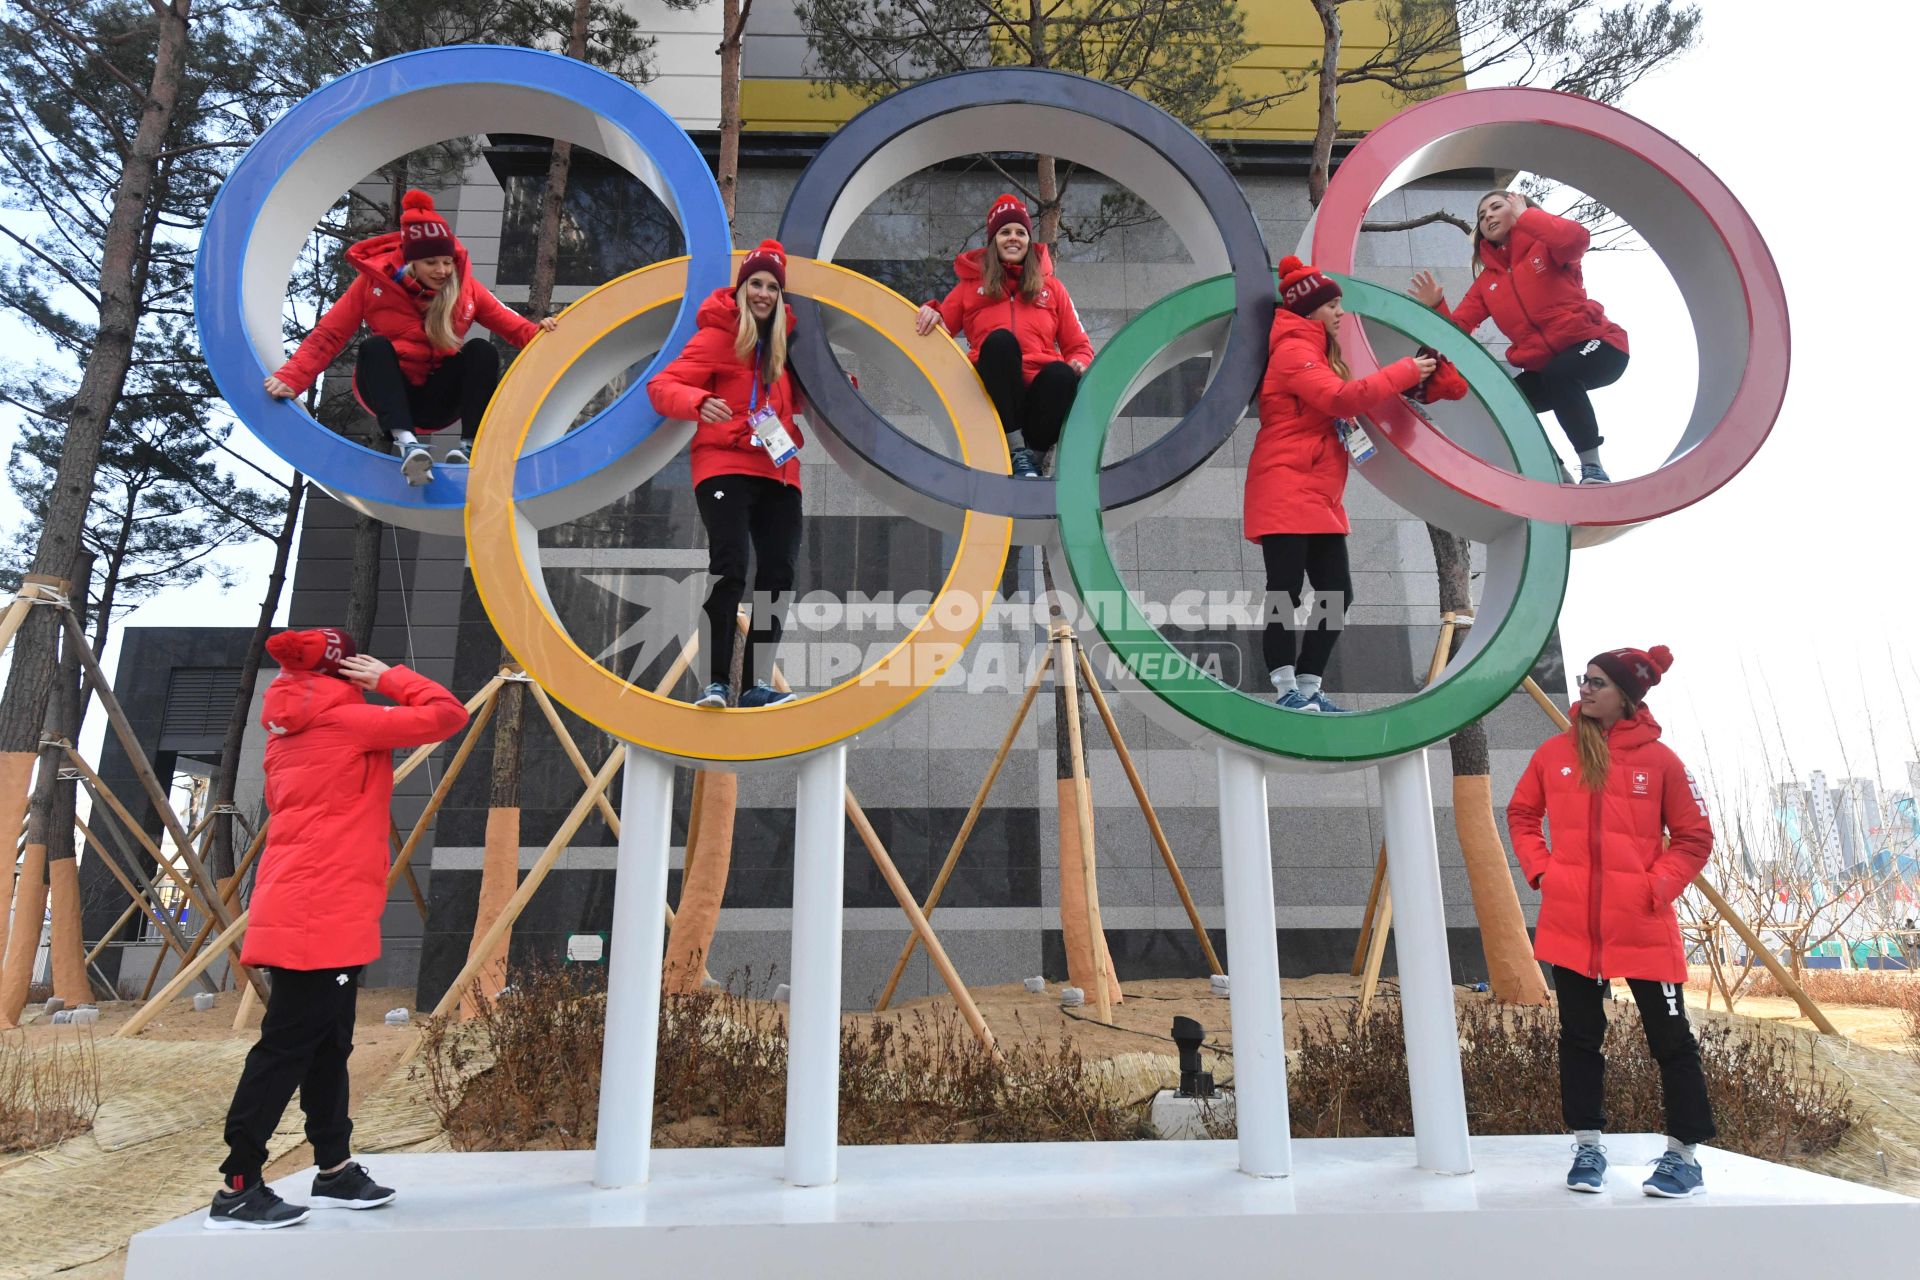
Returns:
<point x="1349" y="1079"/>
<point x="526" y="1075"/>
<point x="1885" y="988"/>
<point x="46" y="1094"/>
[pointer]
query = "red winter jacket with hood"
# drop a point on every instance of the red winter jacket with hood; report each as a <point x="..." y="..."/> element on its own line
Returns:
<point x="394" y="305"/>
<point x="1048" y="328"/>
<point x="1533" y="288"/>
<point x="706" y="367"/>
<point x="1297" y="476"/>
<point x="323" y="879"/>
<point x="1618" y="857"/>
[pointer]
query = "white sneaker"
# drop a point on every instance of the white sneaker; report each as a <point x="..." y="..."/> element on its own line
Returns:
<point x="459" y="455"/>
<point x="416" y="464"/>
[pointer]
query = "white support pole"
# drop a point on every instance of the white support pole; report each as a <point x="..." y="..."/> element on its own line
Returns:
<point x="624" y="1147"/>
<point x="813" y="1014"/>
<point x="1426" y="974"/>
<point x="1253" y="960"/>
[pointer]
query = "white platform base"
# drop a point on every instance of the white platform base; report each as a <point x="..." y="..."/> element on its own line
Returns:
<point x="1353" y="1207"/>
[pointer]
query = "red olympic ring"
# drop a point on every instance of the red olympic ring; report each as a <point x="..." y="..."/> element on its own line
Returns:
<point x="1686" y="214"/>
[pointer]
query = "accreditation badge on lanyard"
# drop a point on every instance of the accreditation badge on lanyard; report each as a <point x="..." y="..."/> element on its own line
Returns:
<point x="1358" y="443"/>
<point x="769" y="432"/>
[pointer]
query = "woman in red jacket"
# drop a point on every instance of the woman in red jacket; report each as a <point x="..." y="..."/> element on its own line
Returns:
<point x="314" y="918"/>
<point x="415" y="290"/>
<point x="1297" y="476"/>
<point x="1022" y="331"/>
<point x="1629" y="833"/>
<point x="732" y="382"/>
<point x="1527" y="276"/>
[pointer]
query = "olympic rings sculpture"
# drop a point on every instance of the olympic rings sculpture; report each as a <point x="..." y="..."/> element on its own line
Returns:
<point x="287" y="181"/>
<point x="1494" y="484"/>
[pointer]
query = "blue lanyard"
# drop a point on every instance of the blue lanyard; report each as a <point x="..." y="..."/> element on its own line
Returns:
<point x="753" y="401"/>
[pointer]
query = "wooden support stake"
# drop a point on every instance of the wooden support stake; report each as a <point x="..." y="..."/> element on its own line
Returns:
<point x="419" y="755"/>
<point x="536" y="874"/>
<point x="1083" y="815"/>
<point x="248" y="1002"/>
<point x="202" y="890"/>
<point x="445" y="785"/>
<point x="1146" y="810"/>
<point x="572" y="750"/>
<point x="1376" y="954"/>
<point x="1367" y="920"/>
<point x="966" y="826"/>
<point x="104" y="794"/>
<point x="229" y="940"/>
<point x="168" y="932"/>
<point x="133" y="909"/>
<point x="921" y="929"/>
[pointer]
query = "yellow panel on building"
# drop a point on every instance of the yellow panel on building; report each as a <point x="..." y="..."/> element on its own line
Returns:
<point x="1287" y="38"/>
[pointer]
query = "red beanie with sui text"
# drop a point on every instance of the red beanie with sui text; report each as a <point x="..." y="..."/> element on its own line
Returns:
<point x="1008" y="208"/>
<point x="423" y="232"/>
<point x="319" y="650"/>
<point x="1304" y="288"/>
<point x="771" y="257"/>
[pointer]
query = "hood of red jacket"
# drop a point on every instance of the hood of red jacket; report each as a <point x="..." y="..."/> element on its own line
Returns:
<point x="297" y="698"/>
<point x="1636" y="730"/>
<point x="380" y="257"/>
<point x="1496" y="255"/>
<point x="721" y="311"/>
<point x="1291" y="325"/>
<point x="968" y="265"/>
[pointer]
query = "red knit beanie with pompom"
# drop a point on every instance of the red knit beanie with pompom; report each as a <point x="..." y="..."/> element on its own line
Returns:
<point x="319" y="650"/>
<point x="423" y="232"/>
<point x="771" y="257"/>
<point x="1304" y="289"/>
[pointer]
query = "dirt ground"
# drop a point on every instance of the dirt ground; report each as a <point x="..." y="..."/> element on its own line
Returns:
<point x="1877" y="1062"/>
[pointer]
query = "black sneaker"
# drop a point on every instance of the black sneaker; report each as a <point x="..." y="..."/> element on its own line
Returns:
<point x="255" y="1209"/>
<point x="349" y="1188"/>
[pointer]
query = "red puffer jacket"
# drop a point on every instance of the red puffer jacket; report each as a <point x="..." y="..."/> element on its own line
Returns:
<point x="1297" y="476"/>
<point x="1048" y="328"/>
<point x="393" y="305"/>
<point x="323" y="879"/>
<point x="1619" y="856"/>
<point x="1533" y="289"/>
<point x="708" y="367"/>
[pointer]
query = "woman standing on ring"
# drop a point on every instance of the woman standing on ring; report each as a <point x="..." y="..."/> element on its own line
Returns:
<point x="732" y="382"/>
<point x="1629" y="833"/>
<point x="417" y="293"/>
<point x="1527" y="276"/>
<point x="1023" y="333"/>
<point x="1297" y="476"/>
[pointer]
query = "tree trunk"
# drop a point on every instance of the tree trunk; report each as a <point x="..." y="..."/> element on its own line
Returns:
<point x="363" y="588"/>
<point x="1512" y="973"/>
<point x="1327" y="114"/>
<point x="220" y="858"/>
<point x="553" y="198"/>
<point x="1046" y="175"/>
<point x="733" y="26"/>
<point x="67" y="952"/>
<point x="123" y="250"/>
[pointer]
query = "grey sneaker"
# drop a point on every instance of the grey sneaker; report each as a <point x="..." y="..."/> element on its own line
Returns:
<point x="416" y="464"/>
<point x="1025" y="464"/>
<point x="460" y="455"/>
<point x="713" y="696"/>
<point x="1589" y="1172"/>
<point x="764" y="695"/>
<point x="349" y="1188"/>
<point x="1294" y="700"/>
<point x="255" y="1209"/>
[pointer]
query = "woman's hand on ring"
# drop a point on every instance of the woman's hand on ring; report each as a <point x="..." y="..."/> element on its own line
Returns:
<point x="927" y="320"/>
<point x="550" y="324"/>
<point x="1078" y="366"/>
<point x="280" y="390"/>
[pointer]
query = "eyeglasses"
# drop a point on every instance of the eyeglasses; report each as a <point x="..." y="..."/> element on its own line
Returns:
<point x="1591" y="682"/>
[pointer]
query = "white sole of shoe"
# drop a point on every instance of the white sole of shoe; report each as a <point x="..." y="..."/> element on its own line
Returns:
<point x="331" y="1202"/>
<point x="1583" y="1187"/>
<point x="1658" y="1194"/>
<point x="238" y="1224"/>
<point x="711" y="703"/>
<point x="417" y="468"/>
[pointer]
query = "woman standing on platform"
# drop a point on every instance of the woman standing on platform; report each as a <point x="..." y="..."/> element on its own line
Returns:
<point x="1629" y="833"/>
<point x="1527" y="276"/>
<point x="1023" y="333"/>
<point x="1297" y="476"/>
<point x="314" y="919"/>
<point x="416" y="372"/>
<point x="732" y="382"/>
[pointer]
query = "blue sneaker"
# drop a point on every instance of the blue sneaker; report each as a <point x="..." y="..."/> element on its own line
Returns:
<point x="1294" y="700"/>
<point x="1326" y="706"/>
<point x="764" y="695"/>
<point x="714" y="695"/>
<point x="1594" y="473"/>
<point x="1025" y="464"/>
<point x="1589" y="1172"/>
<point x="1674" y="1179"/>
<point x="416" y="464"/>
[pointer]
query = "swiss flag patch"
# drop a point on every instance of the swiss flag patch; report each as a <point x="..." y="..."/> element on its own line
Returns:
<point x="1640" y="782"/>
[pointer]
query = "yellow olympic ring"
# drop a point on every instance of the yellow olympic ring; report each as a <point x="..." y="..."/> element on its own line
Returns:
<point x="502" y="544"/>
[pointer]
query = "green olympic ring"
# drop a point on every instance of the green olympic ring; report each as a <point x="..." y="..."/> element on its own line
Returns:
<point x="1526" y="576"/>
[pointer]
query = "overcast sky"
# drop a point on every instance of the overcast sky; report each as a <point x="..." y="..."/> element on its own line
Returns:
<point x="1789" y="596"/>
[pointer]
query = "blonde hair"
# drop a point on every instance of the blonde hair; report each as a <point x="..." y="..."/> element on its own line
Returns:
<point x="1479" y="239"/>
<point x="439" y="317"/>
<point x="748" y="336"/>
<point x="993" y="274"/>
<point x="1591" y="739"/>
<point x="1334" y="359"/>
